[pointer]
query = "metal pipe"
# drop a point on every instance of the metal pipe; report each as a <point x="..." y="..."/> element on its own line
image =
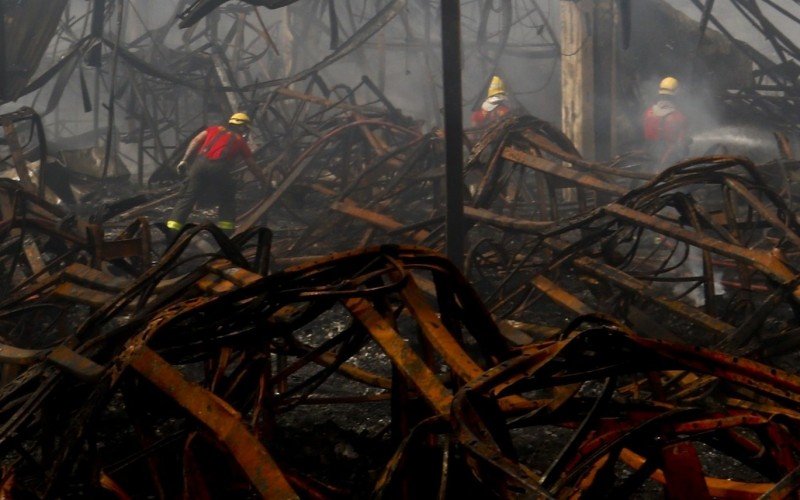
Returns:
<point x="453" y="129"/>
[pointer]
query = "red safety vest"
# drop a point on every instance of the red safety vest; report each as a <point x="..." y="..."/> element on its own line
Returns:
<point x="665" y="130"/>
<point x="664" y="122"/>
<point x="481" y="117"/>
<point x="223" y="144"/>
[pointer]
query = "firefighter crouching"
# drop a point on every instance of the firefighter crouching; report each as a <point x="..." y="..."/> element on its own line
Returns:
<point x="215" y="152"/>
<point x="665" y="126"/>
<point x="494" y="107"/>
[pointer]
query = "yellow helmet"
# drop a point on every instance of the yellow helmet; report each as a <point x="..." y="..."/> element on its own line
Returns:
<point x="669" y="86"/>
<point x="239" y="119"/>
<point x="496" y="87"/>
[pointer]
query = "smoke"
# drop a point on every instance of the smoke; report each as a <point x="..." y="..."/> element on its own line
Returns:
<point x="405" y="57"/>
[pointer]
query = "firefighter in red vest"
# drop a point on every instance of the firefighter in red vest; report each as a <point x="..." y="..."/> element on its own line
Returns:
<point x="215" y="151"/>
<point x="665" y="126"/>
<point x="494" y="107"/>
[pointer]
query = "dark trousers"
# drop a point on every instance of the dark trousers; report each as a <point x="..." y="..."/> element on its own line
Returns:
<point x="207" y="179"/>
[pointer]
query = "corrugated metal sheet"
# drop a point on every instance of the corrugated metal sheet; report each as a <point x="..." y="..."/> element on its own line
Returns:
<point x="28" y="28"/>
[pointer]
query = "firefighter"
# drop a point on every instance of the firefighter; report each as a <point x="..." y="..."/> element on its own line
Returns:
<point x="665" y="126"/>
<point x="494" y="107"/>
<point x="209" y="160"/>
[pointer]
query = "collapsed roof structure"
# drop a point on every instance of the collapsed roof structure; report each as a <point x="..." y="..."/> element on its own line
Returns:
<point x="614" y="330"/>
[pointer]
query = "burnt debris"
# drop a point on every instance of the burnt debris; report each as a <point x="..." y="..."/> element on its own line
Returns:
<point x="615" y="328"/>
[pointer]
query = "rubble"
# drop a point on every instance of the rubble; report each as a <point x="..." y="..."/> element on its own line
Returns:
<point x="231" y="348"/>
<point x="617" y="329"/>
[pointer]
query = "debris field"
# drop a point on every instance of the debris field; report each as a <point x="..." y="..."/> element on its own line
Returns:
<point x="615" y="330"/>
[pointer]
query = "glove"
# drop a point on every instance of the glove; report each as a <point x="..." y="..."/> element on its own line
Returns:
<point x="183" y="165"/>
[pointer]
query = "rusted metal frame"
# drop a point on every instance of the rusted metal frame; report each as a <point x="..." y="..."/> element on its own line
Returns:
<point x="501" y="473"/>
<point x="100" y="391"/>
<point x="403" y="357"/>
<point x="311" y="234"/>
<point x="352" y="372"/>
<point x="548" y="146"/>
<point x="255" y="460"/>
<point x="406" y="228"/>
<point x="487" y="189"/>
<point x="262" y="419"/>
<point x="323" y="356"/>
<point x="551" y="168"/>
<point x="561" y="297"/>
<point x="761" y="260"/>
<point x="219" y="362"/>
<point x="717" y="487"/>
<point x="145" y="284"/>
<point x="246" y="372"/>
<point x="470" y="431"/>
<point x="557" y="465"/>
<point x="225" y="269"/>
<point x="51" y="228"/>
<point x="381" y="221"/>
<point x="701" y="426"/>
<point x="768" y="381"/>
<point x="505" y="222"/>
<point x="13" y="271"/>
<point x="709" y="289"/>
<point x="35" y="207"/>
<point x="755" y="321"/>
<point x="701" y="170"/>
<point x="494" y="136"/>
<point x="754" y="404"/>
<point x="378" y="145"/>
<point x="474" y="315"/>
<point x="46" y="379"/>
<point x="249" y="219"/>
<point x="631" y="284"/>
<point x="16" y="356"/>
<point x="34" y="257"/>
<point x="720" y="488"/>
<point x="731" y="235"/>
<point x="438" y="335"/>
<point x="518" y="188"/>
<point x="529" y="362"/>
<point x="388" y="480"/>
<point x="78" y="294"/>
<point x="74" y="364"/>
<point x="338" y="400"/>
<point x="111" y="250"/>
<point x="784" y="488"/>
<point x="764" y="211"/>
<point x="417" y="146"/>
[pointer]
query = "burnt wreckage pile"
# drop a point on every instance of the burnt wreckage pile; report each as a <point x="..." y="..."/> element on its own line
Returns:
<point x="188" y="373"/>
